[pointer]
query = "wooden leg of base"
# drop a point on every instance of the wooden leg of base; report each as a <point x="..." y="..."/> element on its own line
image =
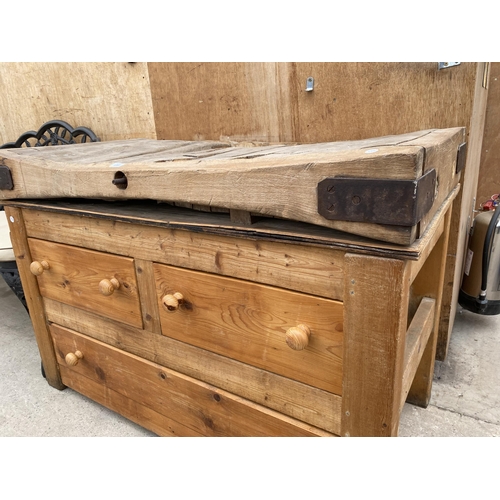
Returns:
<point x="375" y="321"/>
<point x="33" y="298"/>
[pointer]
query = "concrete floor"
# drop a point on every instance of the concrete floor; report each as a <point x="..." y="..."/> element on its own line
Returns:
<point x="465" y="398"/>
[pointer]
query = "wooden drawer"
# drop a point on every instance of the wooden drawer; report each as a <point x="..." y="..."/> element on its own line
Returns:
<point x="75" y="276"/>
<point x="249" y="322"/>
<point x="165" y="401"/>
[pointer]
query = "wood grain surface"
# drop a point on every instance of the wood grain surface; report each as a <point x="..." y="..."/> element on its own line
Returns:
<point x="280" y="181"/>
<point x="74" y="276"/>
<point x="248" y="322"/>
<point x="374" y="344"/>
<point x="289" y="264"/>
<point x="113" y="99"/>
<point x="309" y="404"/>
<point x="197" y="405"/>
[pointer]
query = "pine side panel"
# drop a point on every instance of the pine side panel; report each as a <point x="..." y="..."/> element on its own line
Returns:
<point x="429" y="283"/>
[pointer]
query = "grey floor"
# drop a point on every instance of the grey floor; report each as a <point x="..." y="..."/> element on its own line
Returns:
<point x="465" y="398"/>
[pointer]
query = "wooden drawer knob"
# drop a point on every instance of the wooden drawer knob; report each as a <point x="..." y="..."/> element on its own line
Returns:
<point x="107" y="287"/>
<point x="38" y="268"/>
<point x="73" y="358"/>
<point x="297" y="337"/>
<point x="171" y="302"/>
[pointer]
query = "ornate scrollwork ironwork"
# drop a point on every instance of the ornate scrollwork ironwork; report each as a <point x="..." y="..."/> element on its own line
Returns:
<point x="53" y="133"/>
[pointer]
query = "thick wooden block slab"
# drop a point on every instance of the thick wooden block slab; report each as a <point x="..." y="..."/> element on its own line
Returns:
<point x="278" y="181"/>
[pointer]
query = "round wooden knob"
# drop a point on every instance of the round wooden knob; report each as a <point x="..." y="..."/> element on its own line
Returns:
<point x="297" y="337"/>
<point x="107" y="287"/>
<point x="171" y="302"/>
<point x="73" y="358"/>
<point x="38" y="268"/>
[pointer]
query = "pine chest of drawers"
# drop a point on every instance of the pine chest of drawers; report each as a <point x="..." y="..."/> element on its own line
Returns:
<point x="192" y="325"/>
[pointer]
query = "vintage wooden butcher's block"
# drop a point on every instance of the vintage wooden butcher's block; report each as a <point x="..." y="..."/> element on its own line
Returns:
<point x="208" y="323"/>
<point x="385" y="188"/>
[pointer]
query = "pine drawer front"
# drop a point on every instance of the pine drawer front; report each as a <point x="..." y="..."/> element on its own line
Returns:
<point x="93" y="281"/>
<point x="254" y="324"/>
<point x="161" y="399"/>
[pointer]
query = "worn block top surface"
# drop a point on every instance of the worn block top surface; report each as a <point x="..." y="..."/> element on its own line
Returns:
<point x="277" y="180"/>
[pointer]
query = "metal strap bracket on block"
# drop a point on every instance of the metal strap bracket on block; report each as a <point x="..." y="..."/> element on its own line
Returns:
<point x="6" y="181"/>
<point x="461" y="157"/>
<point x="379" y="201"/>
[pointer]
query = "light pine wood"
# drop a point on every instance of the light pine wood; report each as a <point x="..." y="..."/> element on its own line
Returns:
<point x="318" y="408"/>
<point x="289" y="265"/>
<point x="76" y="275"/>
<point x="268" y="101"/>
<point x="134" y="411"/>
<point x="201" y="407"/>
<point x="33" y="298"/>
<point x="417" y="337"/>
<point x="375" y="322"/>
<point x="248" y="322"/>
<point x="113" y="99"/>
<point x="279" y="182"/>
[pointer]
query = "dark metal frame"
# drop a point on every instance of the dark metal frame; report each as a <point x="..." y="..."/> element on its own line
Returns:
<point x="53" y="133"/>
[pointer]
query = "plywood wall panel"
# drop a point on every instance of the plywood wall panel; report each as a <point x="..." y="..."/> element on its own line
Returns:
<point x="113" y="99"/>
<point x="489" y="172"/>
<point x="213" y="101"/>
<point x="462" y="212"/>
<point x="359" y="100"/>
